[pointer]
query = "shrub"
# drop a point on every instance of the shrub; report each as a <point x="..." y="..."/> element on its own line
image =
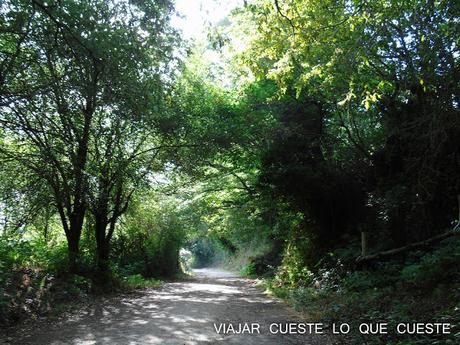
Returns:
<point x="249" y="270"/>
<point x="149" y="242"/>
<point x="439" y="267"/>
<point x="137" y="281"/>
<point x="293" y="271"/>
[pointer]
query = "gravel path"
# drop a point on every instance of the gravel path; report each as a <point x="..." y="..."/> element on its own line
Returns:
<point x="178" y="313"/>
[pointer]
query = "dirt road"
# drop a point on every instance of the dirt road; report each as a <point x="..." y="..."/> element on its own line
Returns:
<point x="179" y="313"/>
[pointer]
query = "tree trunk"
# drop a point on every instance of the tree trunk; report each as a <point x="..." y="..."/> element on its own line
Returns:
<point x="47" y="222"/>
<point x="363" y="243"/>
<point x="103" y="251"/>
<point x="73" y="235"/>
<point x="421" y="244"/>
<point x="102" y="244"/>
<point x="73" y="245"/>
<point x="458" y="221"/>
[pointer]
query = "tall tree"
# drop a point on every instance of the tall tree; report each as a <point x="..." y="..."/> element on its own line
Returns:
<point x="86" y="62"/>
<point x="391" y="99"/>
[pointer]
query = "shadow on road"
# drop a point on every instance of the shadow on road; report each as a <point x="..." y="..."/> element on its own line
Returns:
<point x="176" y="313"/>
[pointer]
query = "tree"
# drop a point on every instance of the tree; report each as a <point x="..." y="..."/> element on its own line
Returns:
<point x="390" y="100"/>
<point x="87" y="63"/>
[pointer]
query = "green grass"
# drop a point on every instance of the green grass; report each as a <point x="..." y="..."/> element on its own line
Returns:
<point x="136" y="281"/>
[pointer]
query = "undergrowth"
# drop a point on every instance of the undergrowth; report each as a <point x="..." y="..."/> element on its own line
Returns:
<point x="138" y="281"/>
<point x="420" y="288"/>
<point x="35" y="280"/>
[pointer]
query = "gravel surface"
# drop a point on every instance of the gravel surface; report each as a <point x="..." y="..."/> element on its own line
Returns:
<point x="185" y="312"/>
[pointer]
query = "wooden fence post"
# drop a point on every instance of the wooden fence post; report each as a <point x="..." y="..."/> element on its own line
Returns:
<point x="363" y="243"/>
<point x="458" y="221"/>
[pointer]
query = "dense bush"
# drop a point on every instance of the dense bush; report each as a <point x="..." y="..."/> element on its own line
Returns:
<point x="149" y="241"/>
<point x="34" y="278"/>
<point x="439" y="267"/>
<point x="422" y="288"/>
